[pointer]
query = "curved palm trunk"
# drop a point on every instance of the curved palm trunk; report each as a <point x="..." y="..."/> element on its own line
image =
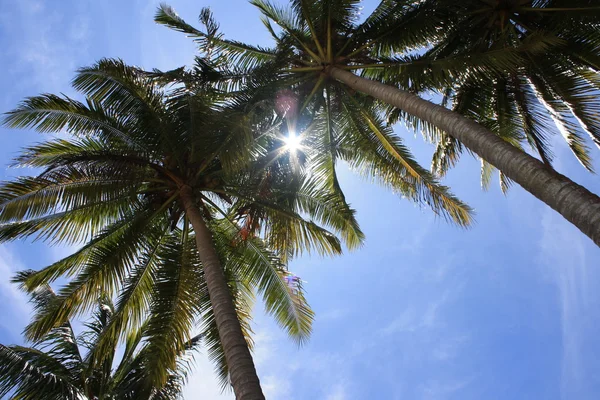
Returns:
<point x="242" y="372"/>
<point x="574" y="202"/>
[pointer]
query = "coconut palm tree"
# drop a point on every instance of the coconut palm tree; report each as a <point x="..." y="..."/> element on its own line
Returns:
<point x="165" y="293"/>
<point x="143" y="165"/>
<point x="552" y="86"/>
<point x="355" y="133"/>
<point x="58" y="366"/>
<point x="321" y="44"/>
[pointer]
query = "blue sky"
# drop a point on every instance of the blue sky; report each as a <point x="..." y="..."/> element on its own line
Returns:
<point x="506" y="309"/>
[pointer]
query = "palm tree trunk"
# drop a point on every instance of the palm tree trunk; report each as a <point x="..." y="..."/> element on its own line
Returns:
<point x="242" y="372"/>
<point x="574" y="202"/>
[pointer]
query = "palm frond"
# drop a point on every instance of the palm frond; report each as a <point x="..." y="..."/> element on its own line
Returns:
<point x="383" y="157"/>
<point x="251" y="261"/>
<point x="104" y="268"/>
<point x="29" y="374"/>
<point x="51" y="113"/>
<point x="244" y="55"/>
<point x="174" y="307"/>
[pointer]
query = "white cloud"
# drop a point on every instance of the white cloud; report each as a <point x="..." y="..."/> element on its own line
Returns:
<point x="407" y="321"/>
<point x="449" y="348"/>
<point x="14" y="303"/>
<point x="333" y="314"/>
<point x="203" y="383"/>
<point x="437" y="390"/>
<point x="274" y="379"/>
<point x="338" y="392"/>
<point x="264" y="346"/>
<point x="564" y="258"/>
<point x="414" y="243"/>
<point x="50" y="46"/>
<point x="420" y="317"/>
<point x="275" y="387"/>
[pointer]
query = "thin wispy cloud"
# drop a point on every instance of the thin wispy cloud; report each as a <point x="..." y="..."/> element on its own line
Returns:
<point x="333" y="314"/>
<point x="436" y="390"/>
<point x="564" y="260"/>
<point x="276" y="387"/>
<point x="282" y="366"/>
<point x="203" y="383"/>
<point x="564" y="255"/>
<point x="16" y="308"/>
<point x="338" y="392"/>
<point x="46" y="44"/>
<point x="422" y="315"/>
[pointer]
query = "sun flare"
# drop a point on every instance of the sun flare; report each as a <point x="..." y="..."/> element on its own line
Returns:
<point x="292" y="141"/>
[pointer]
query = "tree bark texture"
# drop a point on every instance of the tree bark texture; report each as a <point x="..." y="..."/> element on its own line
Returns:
<point x="242" y="372"/>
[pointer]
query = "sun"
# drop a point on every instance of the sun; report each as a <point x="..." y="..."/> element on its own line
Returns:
<point x="292" y="142"/>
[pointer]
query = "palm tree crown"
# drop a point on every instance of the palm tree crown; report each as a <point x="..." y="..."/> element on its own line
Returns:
<point x="139" y="156"/>
<point x="335" y="123"/>
<point x="553" y="81"/>
<point x="59" y="366"/>
<point x="331" y="56"/>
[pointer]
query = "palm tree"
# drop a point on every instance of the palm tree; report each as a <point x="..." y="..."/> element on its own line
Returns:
<point x="328" y="125"/>
<point x="58" y="366"/>
<point x="553" y="85"/>
<point x="144" y="164"/>
<point x="320" y="43"/>
<point x="165" y="293"/>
